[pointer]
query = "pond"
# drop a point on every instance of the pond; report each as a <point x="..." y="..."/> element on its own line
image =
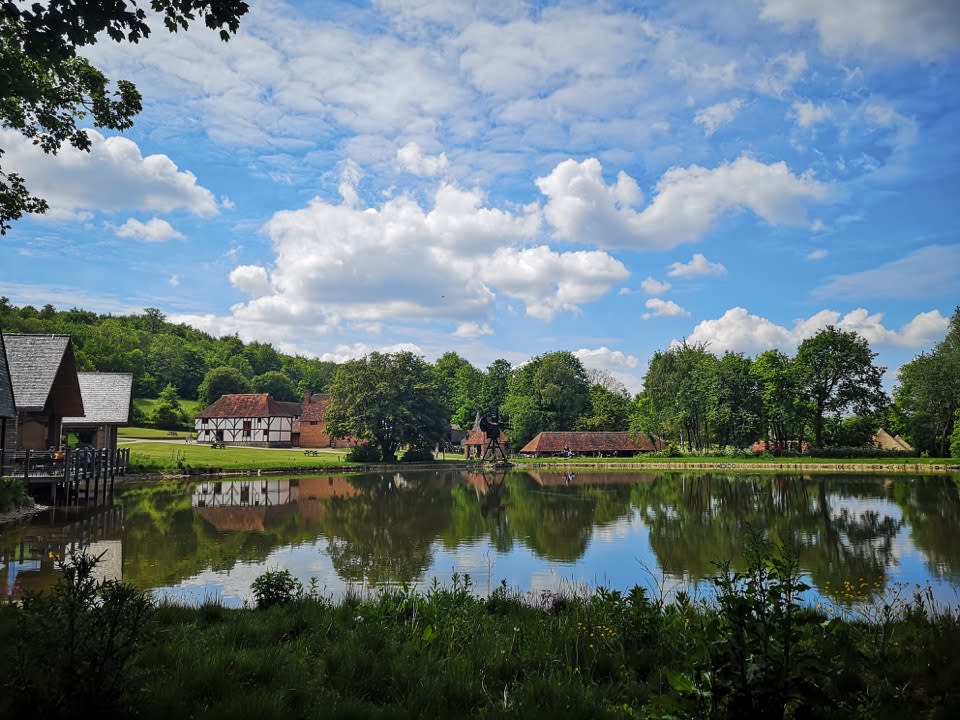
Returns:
<point x="859" y="537"/>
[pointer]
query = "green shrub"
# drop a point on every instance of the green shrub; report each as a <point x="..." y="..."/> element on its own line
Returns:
<point x="417" y="455"/>
<point x="13" y="494"/>
<point x="78" y="645"/>
<point x="365" y="453"/>
<point x="276" y="587"/>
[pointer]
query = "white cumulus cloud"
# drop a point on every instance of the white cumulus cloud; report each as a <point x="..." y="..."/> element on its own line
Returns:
<point x="472" y="330"/>
<point x="154" y="230"/>
<point x="739" y="331"/>
<point x="663" y="308"/>
<point x="808" y="114"/>
<point x="923" y="29"/>
<point x="716" y="115"/>
<point x="583" y="208"/>
<point x="652" y="286"/>
<point x="113" y="176"/>
<point x="414" y="161"/>
<point x="252" y="280"/>
<point x="698" y="265"/>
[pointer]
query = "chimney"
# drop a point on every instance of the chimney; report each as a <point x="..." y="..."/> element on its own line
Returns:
<point x="306" y="397"/>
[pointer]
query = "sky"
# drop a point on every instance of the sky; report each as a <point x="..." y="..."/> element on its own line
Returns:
<point x="507" y="179"/>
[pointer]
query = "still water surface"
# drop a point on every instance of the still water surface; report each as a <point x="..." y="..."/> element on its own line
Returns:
<point x="535" y="530"/>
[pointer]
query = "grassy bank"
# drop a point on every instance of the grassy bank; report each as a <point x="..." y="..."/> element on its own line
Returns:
<point x="162" y="455"/>
<point x="751" y="650"/>
<point x="155" y="456"/>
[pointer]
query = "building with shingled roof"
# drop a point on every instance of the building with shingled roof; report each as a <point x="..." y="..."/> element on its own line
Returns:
<point x="43" y="374"/>
<point x="107" y="405"/>
<point x="8" y="411"/>
<point x="596" y="444"/>
<point x="248" y="419"/>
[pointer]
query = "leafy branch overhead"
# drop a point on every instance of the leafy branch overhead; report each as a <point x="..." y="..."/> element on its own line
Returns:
<point x="46" y="88"/>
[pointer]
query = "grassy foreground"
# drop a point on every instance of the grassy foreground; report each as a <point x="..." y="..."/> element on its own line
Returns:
<point x="752" y="651"/>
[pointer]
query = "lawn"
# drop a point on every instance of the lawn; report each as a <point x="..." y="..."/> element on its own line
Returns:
<point x="146" y="456"/>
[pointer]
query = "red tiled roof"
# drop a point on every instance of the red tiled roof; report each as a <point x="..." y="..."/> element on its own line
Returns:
<point x="315" y="410"/>
<point x="250" y="405"/>
<point x="590" y="442"/>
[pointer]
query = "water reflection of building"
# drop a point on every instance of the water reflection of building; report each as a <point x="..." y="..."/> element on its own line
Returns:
<point x="255" y="505"/>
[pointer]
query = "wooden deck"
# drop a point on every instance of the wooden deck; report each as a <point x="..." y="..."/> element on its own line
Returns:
<point x="67" y="477"/>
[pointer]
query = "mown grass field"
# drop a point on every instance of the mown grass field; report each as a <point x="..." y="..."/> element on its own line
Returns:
<point x="157" y="456"/>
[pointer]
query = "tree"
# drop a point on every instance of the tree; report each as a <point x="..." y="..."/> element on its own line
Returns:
<point x="493" y="387"/>
<point x="606" y="410"/>
<point x="459" y="383"/>
<point x="221" y="381"/>
<point x="548" y="393"/>
<point x="735" y="404"/>
<point x="782" y="409"/>
<point x="677" y="385"/>
<point x="390" y="399"/>
<point x="263" y="357"/>
<point x="928" y="393"/>
<point x="168" y="413"/>
<point x="276" y="383"/>
<point x="837" y="374"/>
<point x="955" y="437"/>
<point x="46" y="88"/>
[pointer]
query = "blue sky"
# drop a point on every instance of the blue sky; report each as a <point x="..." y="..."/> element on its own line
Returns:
<point x="508" y="179"/>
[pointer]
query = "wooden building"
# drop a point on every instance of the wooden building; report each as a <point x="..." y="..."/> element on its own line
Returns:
<point x="43" y="373"/>
<point x="591" y="444"/>
<point x="248" y="419"/>
<point x="107" y="404"/>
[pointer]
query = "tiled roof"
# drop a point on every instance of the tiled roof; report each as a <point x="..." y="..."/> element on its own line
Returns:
<point x="250" y="405"/>
<point x="106" y="399"/>
<point x="42" y="368"/>
<point x="315" y="410"/>
<point x="7" y="408"/>
<point x="589" y="442"/>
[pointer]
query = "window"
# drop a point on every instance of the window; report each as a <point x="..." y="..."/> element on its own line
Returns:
<point x="246" y="428"/>
<point x="203" y="421"/>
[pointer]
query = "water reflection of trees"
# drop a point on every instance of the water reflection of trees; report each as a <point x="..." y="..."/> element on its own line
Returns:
<point x="697" y="520"/>
<point x="384" y="533"/>
<point x="931" y="507"/>
<point x="554" y="520"/>
<point x="383" y="529"/>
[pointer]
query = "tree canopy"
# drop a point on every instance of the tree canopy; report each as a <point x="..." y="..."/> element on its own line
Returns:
<point x="388" y="399"/>
<point x="836" y="370"/>
<point x="46" y="88"/>
<point x="928" y="392"/>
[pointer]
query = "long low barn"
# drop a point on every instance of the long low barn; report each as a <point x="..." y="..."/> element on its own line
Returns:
<point x="599" y="444"/>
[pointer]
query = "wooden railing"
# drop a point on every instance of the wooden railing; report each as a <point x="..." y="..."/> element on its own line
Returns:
<point x="70" y="465"/>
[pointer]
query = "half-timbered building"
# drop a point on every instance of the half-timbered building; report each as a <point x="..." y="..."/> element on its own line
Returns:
<point x="248" y="419"/>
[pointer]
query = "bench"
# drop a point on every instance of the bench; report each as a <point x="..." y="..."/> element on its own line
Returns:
<point x="218" y="445"/>
<point x="311" y="452"/>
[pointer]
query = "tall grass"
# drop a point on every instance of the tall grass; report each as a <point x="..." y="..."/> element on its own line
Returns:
<point x="750" y="650"/>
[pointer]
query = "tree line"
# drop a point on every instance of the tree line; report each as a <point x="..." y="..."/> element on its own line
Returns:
<point x="828" y="394"/>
